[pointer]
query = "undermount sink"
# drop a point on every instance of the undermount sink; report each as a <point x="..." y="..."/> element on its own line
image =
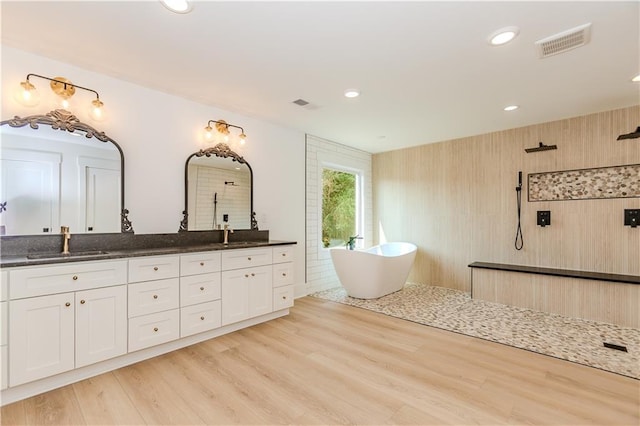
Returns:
<point x="66" y="255"/>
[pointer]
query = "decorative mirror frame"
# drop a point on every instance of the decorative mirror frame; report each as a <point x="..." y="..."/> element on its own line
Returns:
<point x="64" y="120"/>
<point x="221" y="150"/>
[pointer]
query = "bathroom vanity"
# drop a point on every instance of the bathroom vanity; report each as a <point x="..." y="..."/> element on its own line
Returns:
<point x="69" y="318"/>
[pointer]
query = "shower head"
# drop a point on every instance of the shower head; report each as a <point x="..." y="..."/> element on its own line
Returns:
<point x="632" y="135"/>
<point x="540" y="147"/>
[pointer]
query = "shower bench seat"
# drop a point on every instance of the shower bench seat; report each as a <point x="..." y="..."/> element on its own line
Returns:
<point x="612" y="298"/>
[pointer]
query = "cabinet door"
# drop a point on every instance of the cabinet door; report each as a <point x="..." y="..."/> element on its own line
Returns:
<point x="41" y="337"/>
<point x="260" y="291"/>
<point x="235" y="296"/>
<point x="101" y="324"/>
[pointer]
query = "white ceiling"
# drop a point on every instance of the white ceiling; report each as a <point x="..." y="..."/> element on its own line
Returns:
<point x="425" y="69"/>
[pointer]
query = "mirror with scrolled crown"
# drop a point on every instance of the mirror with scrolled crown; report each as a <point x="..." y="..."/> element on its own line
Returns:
<point x="58" y="171"/>
<point x="218" y="186"/>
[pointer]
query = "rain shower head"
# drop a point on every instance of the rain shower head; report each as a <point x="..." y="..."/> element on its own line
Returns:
<point x="632" y="135"/>
<point x="540" y="147"/>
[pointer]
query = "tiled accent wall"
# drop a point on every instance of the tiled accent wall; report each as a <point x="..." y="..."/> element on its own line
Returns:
<point x="232" y="200"/>
<point x="585" y="184"/>
<point x="319" y="269"/>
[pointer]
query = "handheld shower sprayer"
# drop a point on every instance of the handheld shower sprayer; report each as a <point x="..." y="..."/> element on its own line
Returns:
<point x="519" y="243"/>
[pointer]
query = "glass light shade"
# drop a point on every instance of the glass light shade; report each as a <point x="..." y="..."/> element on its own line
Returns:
<point x="243" y="138"/>
<point x="64" y="103"/>
<point x="96" y="110"/>
<point x="27" y="94"/>
<point x="208" y="133"/>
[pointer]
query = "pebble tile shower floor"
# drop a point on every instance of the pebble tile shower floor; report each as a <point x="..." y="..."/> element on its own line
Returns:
<point x="571" y="339"/>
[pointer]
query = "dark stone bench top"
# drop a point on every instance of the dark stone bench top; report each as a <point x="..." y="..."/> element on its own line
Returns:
<point x="586" y="275"/>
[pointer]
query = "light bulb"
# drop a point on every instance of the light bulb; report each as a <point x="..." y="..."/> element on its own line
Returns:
<point x="64" y="103"/>
<point x="207" y="133"/>
<point x="96" y="110"/>
<point x="243" y="138"/>
<point x="27" y="94"/>
<point x="226" y="138"/>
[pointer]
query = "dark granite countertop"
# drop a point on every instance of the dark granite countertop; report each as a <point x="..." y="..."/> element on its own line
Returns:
<point x="46" y="249"/>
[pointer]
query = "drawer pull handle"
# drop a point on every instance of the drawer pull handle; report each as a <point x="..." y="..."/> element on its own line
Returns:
<point x="82" y="302"/>
<point x="75" y="278"/>
<point x="155" y="296"/>
<point x="201" y="288"/>
<point x="202" y="318"/>
<point x="201" y="263"/>
<point x="67" y="304"/>
<point x="155" y="328"/>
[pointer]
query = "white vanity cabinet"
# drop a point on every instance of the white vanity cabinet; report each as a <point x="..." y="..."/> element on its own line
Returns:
<point x="153" y="301"/>
<point x="283" y="267"/>
<point x="200" y="306"/>
<point x="247" y="289"/>
<point x="4" y="329"/>
<point x="51" y="331"/>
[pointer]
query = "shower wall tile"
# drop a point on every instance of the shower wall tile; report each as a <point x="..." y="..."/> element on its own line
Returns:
<point x="585" y="184"/>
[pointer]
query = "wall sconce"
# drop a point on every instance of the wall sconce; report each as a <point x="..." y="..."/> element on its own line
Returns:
<point x="27" y="95"/>
<point x="222" y="128"/>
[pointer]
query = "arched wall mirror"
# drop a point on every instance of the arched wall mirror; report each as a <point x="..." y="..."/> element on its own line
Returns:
<point x="218" y="186"/>
<point x="58" y="171"/>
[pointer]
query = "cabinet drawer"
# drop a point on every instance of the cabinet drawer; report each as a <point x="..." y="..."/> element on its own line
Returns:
<point x="153" y="268"/>
<point x="153" y="296"/>
<point x="282" y="297"/>
<point x="198" y="318"/>
<point x="41" y="280"/>
<point x="199" y="288"/>
<point x="4" y="285"/>
<point x="236" y="259"/>
<point x="4" y="323"/>
<point x="199" y="263"/>
<point x="153" y="329"/>
<point x="282" y="274"/>
<point x="283" y="254"/>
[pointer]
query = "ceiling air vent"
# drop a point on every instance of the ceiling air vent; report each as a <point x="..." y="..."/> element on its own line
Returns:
<point x="564" y="41"/>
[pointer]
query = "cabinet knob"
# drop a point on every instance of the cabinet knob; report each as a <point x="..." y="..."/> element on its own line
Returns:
<point x="284" y="254"/>
<point x="201" y="263"/>
<point x="67" y="304"/>
<point x="155" y="328"/>
<point x="248" y="258"/>
<point x="82" y="302"/>
<point x="284" y="297"/>
<point x="284" y="274"/>
<point x="253" y="275"/>
<point x="201" y="288"/>
<point x="75" y="278"/>
<point x="202" y="318"/>
<point x="155" y="296"/>
<point x="246" y="275"/>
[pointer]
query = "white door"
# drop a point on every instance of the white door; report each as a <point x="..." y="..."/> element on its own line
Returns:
<point x="260" y="291"/>
<point x="103" y="200"/>
<point x="41" y="337"/>
<point x="32" y="199"/>
<point x="101" y="324"/>
<point x="235" y="296"/>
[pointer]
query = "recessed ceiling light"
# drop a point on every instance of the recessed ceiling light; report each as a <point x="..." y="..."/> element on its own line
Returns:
<point x="503" y="36"/>
<point x="177" y="6"/>
<point x="636" y="79"/>
<point x="511" y="108"/>
<point x="351" y="93"/>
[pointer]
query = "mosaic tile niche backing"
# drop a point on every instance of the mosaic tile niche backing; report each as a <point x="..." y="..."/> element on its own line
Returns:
<point x="586" y="184"/>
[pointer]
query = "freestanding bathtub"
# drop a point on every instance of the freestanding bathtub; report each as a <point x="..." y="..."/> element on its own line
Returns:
<point x="374" y="272"/>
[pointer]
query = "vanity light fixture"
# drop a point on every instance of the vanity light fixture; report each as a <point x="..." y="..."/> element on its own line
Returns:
<point x="63" y="88"/>
<point x="222" y="127"/>
<point x="503" y="36"/>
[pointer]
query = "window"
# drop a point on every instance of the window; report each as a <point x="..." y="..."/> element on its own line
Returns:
<point x="341" y="206"/>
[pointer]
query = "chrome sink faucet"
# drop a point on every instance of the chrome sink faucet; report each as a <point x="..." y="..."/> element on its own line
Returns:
<point x="227" y="231"/>
<point x="66" y="236"/>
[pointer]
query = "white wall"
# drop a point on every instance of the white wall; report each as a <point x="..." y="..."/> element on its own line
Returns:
<point x="157" y="132"/>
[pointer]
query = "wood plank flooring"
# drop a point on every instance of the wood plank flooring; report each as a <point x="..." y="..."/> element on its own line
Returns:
<point x="329" y="363"/>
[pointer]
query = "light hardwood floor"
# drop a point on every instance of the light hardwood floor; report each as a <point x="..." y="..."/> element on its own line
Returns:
<point x="328" y="363"/>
